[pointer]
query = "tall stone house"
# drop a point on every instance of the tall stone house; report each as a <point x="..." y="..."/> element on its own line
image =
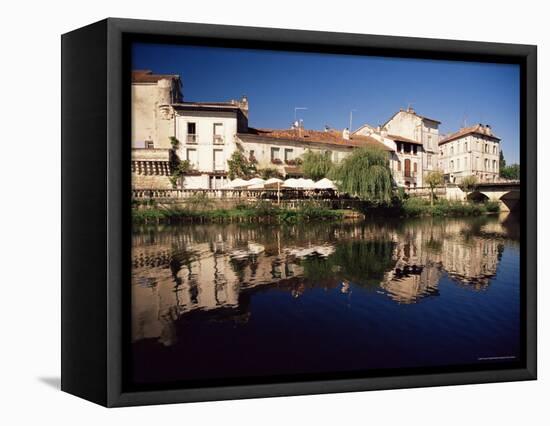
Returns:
<point x="472" y="150"/>
<point x="208" y="134"/>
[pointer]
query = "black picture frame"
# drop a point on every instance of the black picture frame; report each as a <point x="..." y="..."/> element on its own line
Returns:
<point x="95" y="156"/>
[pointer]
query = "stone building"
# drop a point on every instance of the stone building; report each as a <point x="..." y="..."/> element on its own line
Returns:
<point x="281" y="149"/>
<point x="208" y="134"/>
<point x="472" y="150"/>
<point x="407" y="155"/>
<point x="414" y="127"/>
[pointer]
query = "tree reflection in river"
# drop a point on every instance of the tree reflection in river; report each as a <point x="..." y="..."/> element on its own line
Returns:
<point x="179" y="269"/>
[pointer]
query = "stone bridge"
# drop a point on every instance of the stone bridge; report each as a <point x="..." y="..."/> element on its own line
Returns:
<point x="506" y="193"/>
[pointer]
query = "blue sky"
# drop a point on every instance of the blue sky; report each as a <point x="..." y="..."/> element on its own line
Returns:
<point x="330" y="86"/>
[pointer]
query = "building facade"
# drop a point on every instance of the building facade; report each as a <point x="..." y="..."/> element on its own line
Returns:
<point x="209" y="132"/>
<point x="473" y="151"/>
<point x="406" y="158"/>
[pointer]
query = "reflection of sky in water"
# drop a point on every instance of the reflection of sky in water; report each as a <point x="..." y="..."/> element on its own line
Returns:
<point x="355" y="285"/>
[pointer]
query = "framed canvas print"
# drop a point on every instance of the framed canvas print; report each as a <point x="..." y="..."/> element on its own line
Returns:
<point x="252" y="212"/>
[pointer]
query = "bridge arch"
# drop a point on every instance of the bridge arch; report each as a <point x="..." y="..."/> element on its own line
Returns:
<point x="477" y="197"/>
<point x="510" y="200"/>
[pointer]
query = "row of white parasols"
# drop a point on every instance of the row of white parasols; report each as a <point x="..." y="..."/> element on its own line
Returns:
<point x="275" y="183"/>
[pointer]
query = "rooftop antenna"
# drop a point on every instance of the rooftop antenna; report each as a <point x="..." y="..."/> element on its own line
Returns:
<point x="464" y="120"/>
<point x="351" y="118"/>
<point x="296" y="109"/>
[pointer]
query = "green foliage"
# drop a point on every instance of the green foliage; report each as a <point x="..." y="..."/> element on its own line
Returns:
<point x="365" y="174"/>
<point x="240" y="167"/>
<point x="420" y="207"/>
<point x="179" y="170"/>
<point x="433" y="179"/>
<point x="316" y="165"/>
<point x="469" y="183"/>
<point x="175" y="143"/>
<point x="269" y="173"/>
<point x="502" y="161"/>
<point x="510" y="172"/>
<point x="261" y="211"/>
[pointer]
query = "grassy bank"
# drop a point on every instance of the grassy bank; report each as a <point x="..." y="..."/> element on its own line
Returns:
<point x="261" y="212"/>
<point x="413" y="207"/>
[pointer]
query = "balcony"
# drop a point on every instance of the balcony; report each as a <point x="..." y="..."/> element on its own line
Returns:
<point x="191" y="139"/>
<point x="218" y="140"/>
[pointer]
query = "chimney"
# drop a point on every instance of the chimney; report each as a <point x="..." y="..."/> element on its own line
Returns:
<point x="243" y="105"/>
<point x="345" y="134"/>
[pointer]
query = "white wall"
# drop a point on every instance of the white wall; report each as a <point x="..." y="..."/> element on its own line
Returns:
<point x="30" y="313"/>
<point x="204" y="145"/>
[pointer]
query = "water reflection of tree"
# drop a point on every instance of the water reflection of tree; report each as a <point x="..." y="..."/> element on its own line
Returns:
<point x="361" y="262"/>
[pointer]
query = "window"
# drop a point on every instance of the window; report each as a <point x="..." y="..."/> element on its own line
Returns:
<point x="407" y="148"/>
<point x="429" y="160"/>
<point x="494" y="149"/>
<point x="251" y="156"/>
<point x="275" y="155"/>
<point x="415" y="168"/>
<point x="429" y="142"/>
<point x="458" y="164"/>
<point x="486" y="164"/>
<point x="218" y="133"/>
<point x="191" y="132"/>
<point x="415" y="148"/>
<point x="149" y="144"/>
<point x="465" y="146"/>
<point x="398" y="165"/>
<point x="289" y="155"/>
<point x="452" y="166"/>
<point x="452" y="150"/>
<point x="191" y="156"/>
<point x="465" y="163"/>
<point x="407" y="168"/>
<point x="219" y="161"/>
<point x="494" y="165"/>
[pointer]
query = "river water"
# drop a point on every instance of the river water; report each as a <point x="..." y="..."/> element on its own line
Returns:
<point x="220" y="302"/>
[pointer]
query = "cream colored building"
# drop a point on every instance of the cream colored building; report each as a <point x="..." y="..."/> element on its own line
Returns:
<point x="472" y="150"/>
<point x="208" y="134"/>
<point x="407" y="155"/>
<point x="412" y="126"/>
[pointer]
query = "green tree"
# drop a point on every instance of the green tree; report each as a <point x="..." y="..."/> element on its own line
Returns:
<point x="501" y="160"/>
<point x="510" y="172"/>
<point x="468" y="184"/>
<point x="240" y="167"/>
<point x="316" y="165"/>
<point x="433" y="179"/>
<point x="365" y="174"/>
<point x="269" y="172"/>
<point x="178" y="168"/>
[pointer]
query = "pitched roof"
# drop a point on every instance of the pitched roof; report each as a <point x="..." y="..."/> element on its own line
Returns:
<point x="398" y="138"/>
<point x="478" y="129"/>
<point x="413" y="112"/>
<point x="311" y="136"/>
<point x="147" y="76"/>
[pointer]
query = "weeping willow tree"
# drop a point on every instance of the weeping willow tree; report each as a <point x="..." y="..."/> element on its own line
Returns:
<point x="365" y="174"/>
<point x="316" y="165"/>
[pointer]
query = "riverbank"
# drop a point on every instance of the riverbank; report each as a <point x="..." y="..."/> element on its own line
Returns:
<point x="415" y="207"/>
<point x="266" y="212"/>
<point x="261" y="212"/>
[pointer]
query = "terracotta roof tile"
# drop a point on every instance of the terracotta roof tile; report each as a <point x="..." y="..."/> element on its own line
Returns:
<point x="478" y="129"/>
<point x="398" y="138"/>
<point x="313" y="136"/>
<point x="147" y="76"/>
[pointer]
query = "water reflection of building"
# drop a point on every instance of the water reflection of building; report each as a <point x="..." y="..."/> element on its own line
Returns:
<point x="214" y="270"/>
<point x="423" y="254"/>
<point x="173" y="276"/>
